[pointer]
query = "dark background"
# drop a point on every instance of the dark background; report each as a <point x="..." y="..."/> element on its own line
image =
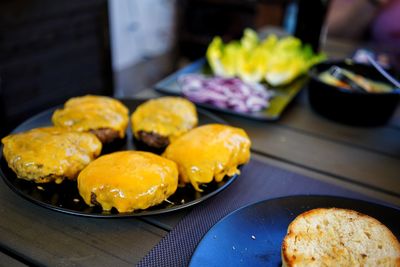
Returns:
<point x="49" y="52"/>
<point x="53" y="50"/>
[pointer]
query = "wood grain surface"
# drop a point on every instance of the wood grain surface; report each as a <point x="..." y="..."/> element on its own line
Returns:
<point x="365" y="160"/>
<point x="46" y="237"/>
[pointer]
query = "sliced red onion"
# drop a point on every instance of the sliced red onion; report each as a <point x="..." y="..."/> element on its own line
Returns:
<point x="231" y="93"/>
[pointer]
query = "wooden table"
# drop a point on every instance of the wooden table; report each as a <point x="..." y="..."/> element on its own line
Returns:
<point x="365" y="160"/>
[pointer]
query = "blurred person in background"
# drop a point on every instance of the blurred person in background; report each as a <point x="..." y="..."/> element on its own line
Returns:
<point x="376" y="22"/>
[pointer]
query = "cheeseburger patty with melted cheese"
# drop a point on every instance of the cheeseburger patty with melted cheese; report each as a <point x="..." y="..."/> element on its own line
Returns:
<point x="128" y="181"/>
<point x="104" y="116"/>
<point x="50" y="154"/>
<point x="157" y="122"/>
<point x="208" y="153"/>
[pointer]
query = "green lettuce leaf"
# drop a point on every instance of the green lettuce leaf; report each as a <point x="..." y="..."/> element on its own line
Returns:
<point x="275" y="61"/>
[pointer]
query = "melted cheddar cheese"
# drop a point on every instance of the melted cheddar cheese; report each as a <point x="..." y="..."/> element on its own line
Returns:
<point x="50" y="154"/>
<point x="92" y="112"/>
<point x="209" y="153"/>
<point x="166" y="116"/>
<point x="128" y="180"/>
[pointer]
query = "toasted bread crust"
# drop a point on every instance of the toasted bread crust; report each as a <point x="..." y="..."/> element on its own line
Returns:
<point x="340" y="237"/>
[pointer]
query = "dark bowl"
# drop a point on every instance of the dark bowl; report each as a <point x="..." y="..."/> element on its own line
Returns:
<point x="343" y="105"/>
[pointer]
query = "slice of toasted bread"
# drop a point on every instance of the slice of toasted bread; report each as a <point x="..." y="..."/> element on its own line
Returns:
<point x="339" y="237"/>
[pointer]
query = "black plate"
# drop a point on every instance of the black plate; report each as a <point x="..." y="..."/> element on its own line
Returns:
<point x="282" y="95"/>
<point x="355" y="107"/>
<point x="252" y="236"/>
<point x="65" y="196"/>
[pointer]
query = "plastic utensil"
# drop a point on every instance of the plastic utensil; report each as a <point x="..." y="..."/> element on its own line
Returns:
<point x="384" y="73"/>
<point x="339" y="74"/>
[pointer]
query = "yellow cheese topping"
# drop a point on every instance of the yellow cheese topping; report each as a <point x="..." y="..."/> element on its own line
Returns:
<point x="92" y="112"/>
<point x="209" y="152"/>
<point x="128" y="180"/>
<point x="167" y="116"/>
<point x="50" y="154"/>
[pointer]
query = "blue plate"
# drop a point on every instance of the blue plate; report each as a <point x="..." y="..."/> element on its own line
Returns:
<point x="282" y="95"/>
<point x="252" y="236"/>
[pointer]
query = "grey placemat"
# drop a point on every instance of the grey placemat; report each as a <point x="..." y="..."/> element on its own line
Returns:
<point x="259" y="181"/>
